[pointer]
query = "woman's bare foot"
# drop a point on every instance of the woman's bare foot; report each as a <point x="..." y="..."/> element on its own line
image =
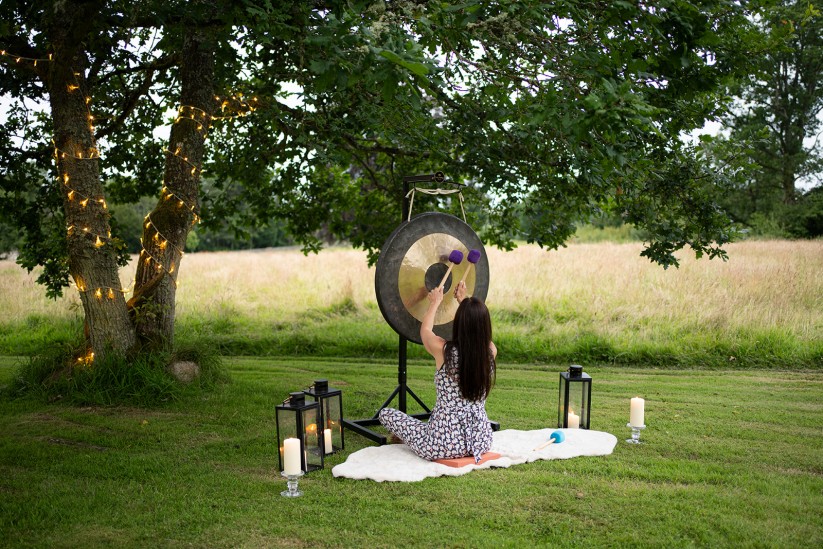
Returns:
<point x="394" y="439"/>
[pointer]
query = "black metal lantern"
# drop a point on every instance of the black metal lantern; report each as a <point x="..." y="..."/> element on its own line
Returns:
<point x="575" y="398"/>
<point x="297" y="437"/>
<point x="330" y="424"/>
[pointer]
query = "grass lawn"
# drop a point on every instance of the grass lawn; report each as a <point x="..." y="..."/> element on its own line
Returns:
<point x="731" y="459"/>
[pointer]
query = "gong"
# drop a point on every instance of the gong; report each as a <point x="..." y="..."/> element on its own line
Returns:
<point x="413" y="261"/>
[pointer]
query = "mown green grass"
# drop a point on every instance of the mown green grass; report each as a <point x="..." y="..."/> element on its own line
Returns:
<point x="731" y="459"/>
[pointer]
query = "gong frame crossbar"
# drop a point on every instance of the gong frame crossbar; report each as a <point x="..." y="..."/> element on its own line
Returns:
<point x="361" y="426"/>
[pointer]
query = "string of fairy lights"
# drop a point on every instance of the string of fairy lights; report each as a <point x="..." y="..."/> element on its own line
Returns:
<point x="202" y="122"/>
<point x="21" y="58"/>
<point x="231" y="106"/>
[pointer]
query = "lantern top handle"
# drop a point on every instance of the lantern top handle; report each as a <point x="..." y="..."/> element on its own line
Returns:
<point x="575" y="370"/>
<point x="295" y="399"/>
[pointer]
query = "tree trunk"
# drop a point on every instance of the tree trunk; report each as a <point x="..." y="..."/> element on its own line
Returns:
<point x="92" y="258"/>
<point x="165" y="229"/>
<point x="787" y="183"/>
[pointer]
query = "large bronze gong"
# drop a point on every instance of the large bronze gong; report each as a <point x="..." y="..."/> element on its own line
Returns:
<point x="414" y="259"/>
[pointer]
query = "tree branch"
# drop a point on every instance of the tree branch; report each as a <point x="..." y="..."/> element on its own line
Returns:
<point x="158" y="64"/>
<point x="129" y="104"/>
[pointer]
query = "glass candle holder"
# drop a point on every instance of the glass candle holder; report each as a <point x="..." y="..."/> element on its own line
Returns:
<point x="635" y="433"/>
<point x="291" y="484"/>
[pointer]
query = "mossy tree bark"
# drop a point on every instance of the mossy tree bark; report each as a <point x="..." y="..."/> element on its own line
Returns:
<point x="167" y="226"/>
<point x="92" y="258"/>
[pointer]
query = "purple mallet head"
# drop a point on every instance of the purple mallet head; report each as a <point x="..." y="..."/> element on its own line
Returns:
<point x="474" y="256"/>
<point x="456" y="257"/>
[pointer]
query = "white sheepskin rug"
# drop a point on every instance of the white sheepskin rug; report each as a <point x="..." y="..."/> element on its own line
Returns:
<point x="396" y="462"/>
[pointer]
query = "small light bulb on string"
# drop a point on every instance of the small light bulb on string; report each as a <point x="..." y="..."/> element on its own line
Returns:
<point x="87" y="359"/>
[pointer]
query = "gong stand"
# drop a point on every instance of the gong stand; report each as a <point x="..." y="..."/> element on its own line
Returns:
<point x="412" y="261"/>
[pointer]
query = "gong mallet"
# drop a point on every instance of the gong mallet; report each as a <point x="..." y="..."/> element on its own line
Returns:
<point x="454" y="258"/>
<point x="472" y="258"/>
<point x="555" y="438"/>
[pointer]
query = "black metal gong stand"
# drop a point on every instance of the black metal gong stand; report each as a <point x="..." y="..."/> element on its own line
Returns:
<point x="360" y="426"/>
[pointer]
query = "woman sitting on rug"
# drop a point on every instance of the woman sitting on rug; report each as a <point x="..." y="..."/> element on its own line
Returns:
<point x="458" y="425"/>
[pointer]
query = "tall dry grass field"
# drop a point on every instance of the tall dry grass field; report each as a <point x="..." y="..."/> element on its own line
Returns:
<point x="764" y="284"/>
<point x="600" y="296"/>
<point x="266" y="283"/>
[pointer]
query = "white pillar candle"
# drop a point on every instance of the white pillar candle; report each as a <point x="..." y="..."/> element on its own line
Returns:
<point x="327" y="440"/>
<point x="573" y="421"/>
<point x="291" y="456"/>
<point x="637" y="411"/>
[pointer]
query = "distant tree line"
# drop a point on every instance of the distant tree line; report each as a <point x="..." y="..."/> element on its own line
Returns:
<point x="128" y="218"/>
<point x="772" y="132"/>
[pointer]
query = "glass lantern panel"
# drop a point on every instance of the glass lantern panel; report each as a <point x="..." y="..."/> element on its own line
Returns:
<point x="333" y="422"/>
<point x="585" y="404"/>
<point x="286" y="428"/>
<point x="576" y="402"/>
<point x="311" y="435"/>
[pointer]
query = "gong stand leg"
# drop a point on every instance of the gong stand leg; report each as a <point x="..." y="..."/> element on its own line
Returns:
<point x="401" y="372"/>
<point x="360" y="426"/>
<point x="402" y="386"/>
<point x="387" y="401"/>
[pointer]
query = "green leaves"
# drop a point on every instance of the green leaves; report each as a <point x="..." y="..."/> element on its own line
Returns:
<point x="415" y="67"/>
<point x="544" y="109"/>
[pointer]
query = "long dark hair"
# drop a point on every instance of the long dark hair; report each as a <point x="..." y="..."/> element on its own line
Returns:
<point x="472" y="335"/>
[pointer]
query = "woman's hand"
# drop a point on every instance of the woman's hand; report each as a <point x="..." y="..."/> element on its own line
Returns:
<point x="431" y="341"/>
<point x="436" y="296"/>
<point x="460" y="291"/>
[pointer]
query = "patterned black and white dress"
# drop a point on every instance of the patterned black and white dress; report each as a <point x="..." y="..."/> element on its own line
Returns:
<point x="457" y="427"/>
